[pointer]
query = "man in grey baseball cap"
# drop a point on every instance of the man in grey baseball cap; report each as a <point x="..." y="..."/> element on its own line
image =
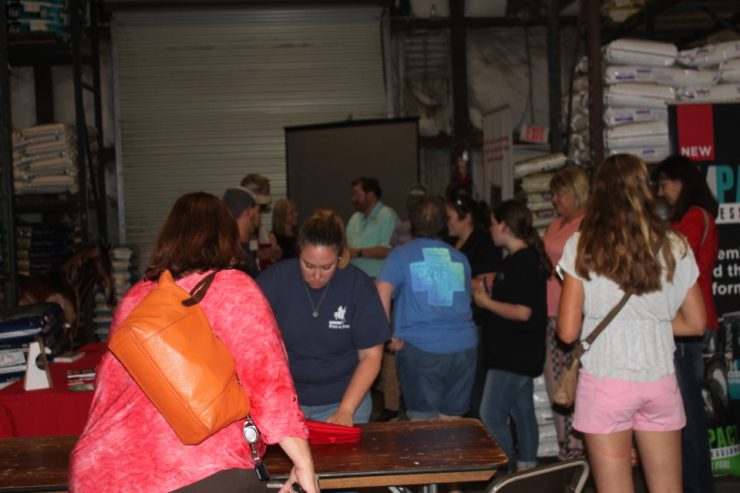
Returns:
<point x="246" y="211"/>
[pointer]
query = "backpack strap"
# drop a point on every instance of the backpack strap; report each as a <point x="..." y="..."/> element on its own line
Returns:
<point x="200" y="289"/>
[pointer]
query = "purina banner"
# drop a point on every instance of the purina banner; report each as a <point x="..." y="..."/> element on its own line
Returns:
<point x="709" y="134"/>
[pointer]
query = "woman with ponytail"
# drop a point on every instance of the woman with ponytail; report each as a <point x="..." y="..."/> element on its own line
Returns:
<point x="514" y="332"/>
<point x="332" y="322"/>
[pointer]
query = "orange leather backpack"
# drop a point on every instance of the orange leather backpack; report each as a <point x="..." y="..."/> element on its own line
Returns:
<point x="169" y="348"/>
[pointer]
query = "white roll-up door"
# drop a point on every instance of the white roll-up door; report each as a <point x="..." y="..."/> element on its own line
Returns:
<point x="203" y="96"/>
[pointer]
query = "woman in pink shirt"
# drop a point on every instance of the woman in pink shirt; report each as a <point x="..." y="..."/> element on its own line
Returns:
<point x="569" y="189"/>
<point x="127" y="445"/>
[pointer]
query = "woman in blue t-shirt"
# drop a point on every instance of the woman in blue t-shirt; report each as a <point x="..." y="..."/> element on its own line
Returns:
<point x="514" y="332"/>
<point x="331" y="320"/>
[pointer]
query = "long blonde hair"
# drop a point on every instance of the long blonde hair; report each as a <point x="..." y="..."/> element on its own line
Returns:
<point x="621" y="233"/>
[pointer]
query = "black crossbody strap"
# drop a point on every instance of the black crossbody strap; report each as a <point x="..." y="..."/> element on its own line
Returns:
<point x="200" y="289"/>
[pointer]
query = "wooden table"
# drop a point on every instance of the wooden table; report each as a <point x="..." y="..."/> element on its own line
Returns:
<point x="35" y="463"/>
<point x="395" y="453"/>
<point x="403" y="453"/>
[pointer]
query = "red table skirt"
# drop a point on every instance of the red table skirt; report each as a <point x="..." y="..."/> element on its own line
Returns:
<point x="49" y="412"/>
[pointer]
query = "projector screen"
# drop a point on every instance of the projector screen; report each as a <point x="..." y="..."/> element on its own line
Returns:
<point x="323" y="160"/>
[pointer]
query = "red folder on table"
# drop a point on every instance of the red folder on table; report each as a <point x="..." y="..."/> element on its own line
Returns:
<point x="327" y="433"/>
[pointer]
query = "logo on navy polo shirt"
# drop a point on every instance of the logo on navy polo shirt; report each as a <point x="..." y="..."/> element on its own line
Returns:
<point x="339" y="322"/>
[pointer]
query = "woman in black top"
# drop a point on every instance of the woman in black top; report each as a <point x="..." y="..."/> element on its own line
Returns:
<point x="514" y="332"/>
<point x="468" y="226"/>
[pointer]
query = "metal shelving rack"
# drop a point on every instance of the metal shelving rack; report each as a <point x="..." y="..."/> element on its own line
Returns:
<point x="44" y="50"/>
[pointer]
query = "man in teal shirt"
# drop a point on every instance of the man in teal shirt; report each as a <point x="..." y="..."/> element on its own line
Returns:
<point x="369" y="229"/>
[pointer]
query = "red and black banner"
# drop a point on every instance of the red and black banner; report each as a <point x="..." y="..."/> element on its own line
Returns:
<point x="710" y="135"/>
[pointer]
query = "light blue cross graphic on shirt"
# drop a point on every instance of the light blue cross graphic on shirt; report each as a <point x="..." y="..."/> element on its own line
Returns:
<point x="438" y="275"/>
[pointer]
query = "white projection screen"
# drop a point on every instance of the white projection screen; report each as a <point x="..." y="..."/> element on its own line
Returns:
<point x="323" y="160"/>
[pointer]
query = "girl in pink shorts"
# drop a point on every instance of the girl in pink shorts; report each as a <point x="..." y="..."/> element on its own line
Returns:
<point x="627" y="385"/>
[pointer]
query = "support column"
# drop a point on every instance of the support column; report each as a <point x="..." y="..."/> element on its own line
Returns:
<point x="595" y="84"/>
<point x="553" y="75"/>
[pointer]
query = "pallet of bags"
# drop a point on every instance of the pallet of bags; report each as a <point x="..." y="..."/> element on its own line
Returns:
<point x="534" y="175"/>
<point x="576" y="116"/>
<point x="42" y="247"/>
<point x="724" y="58"/>
<point x="640" y="81"/>
<point x="123" y="262"/>
<point x="548" y="438"/>
<point x="103" y="315"/>
<point x="45" y="159"/>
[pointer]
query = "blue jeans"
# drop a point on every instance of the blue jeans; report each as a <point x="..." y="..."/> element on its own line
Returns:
<point x="433" y="383"/>
<point x="322" y="412"/>
<point x="697" y="467"/>
<point x="505" y="394"/>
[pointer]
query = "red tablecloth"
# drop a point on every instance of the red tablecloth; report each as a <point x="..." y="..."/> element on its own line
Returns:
<point x="49" y="412"/>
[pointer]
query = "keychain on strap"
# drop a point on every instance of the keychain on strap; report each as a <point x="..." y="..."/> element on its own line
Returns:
<point x="252" y="436"/>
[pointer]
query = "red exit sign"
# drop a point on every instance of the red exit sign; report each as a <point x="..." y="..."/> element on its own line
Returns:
<point x="534" y="134"/>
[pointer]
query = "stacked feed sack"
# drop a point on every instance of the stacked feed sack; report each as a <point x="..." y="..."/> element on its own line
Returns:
<point x="533" y="177"/>
<point x="723" y="59"/>
<point x="575" y="116"/>
<point x="548" y="445"/>
<point x="24" y="16"/>
<point x="640" y="80"/>
<point x="41" y="247"/>
<point x="124" y="265"/>
<point x="45" y="159"/>
<point x="103" y="315"/>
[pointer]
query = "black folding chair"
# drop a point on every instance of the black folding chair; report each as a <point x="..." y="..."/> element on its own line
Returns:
<point x="560" y="477"/>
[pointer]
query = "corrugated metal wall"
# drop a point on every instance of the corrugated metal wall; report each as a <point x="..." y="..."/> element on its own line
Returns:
<point x="203" y="96"/>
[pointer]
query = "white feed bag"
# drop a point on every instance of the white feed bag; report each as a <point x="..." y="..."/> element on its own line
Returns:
<point x="541" y="222"/>
<point x="731" y="70"/>
<point x="640" y="52"/>
<point x="619" y="116"/>
<point x="537" y="183"/>
<point x="538" y="197"/>
<point x="649" y="154"/>
<point x="638" y="135"/>
<point x="540" y="205"/>
<point x="721" y="93"/>
<point x="639" y="141"/>
<point x="638" y="95"/>
<point x="627" y="101"/>
<point x="538" y="164"/>
<point x="644" y="90"/>
<point x="667" y="76"/>
<point x="712" y="54"/>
